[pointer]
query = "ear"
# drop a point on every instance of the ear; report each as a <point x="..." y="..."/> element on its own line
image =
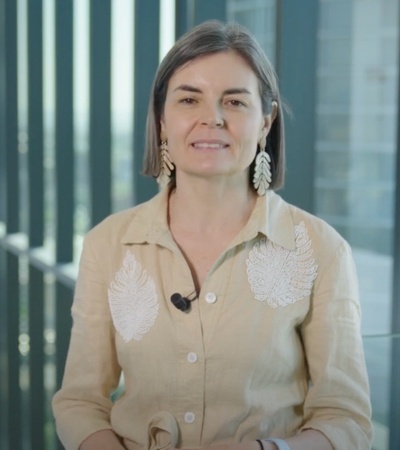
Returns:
<point x="274" y="111"/>
<point x="267" y="124"/>
<point x="163" y="133"/>
<point x="269" y="119"/>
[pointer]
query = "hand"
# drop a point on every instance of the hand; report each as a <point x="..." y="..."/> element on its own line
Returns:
<point x="102" y="440"/>
<point x="252" y="445"/>
<point x="306" y="440"/>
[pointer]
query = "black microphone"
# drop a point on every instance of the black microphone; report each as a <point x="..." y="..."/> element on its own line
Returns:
<point x="180" y="302"/>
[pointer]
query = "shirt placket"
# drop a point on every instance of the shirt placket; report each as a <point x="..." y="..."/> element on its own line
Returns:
<point x="190" y="375"/>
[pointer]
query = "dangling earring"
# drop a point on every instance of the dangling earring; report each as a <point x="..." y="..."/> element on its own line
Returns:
<point x="262" y="169"/>
<point x="164" y="177"/>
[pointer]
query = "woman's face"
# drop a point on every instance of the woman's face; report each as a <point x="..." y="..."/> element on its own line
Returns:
<point x="213" y="118"/>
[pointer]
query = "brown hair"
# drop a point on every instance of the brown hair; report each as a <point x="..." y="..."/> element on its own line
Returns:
<point x="208" y="38"/>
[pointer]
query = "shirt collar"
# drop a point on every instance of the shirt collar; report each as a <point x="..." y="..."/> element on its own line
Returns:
<point x="271" y="217"/>
<point x="149" y="223"/>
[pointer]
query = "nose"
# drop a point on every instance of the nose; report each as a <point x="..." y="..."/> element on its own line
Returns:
<point x="213" y="117"/>
<point x="218" y="122"/>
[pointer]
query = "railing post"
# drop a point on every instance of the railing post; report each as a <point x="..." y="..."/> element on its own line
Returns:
<point x="100" y="109"/>
<point x="147" y="18"/>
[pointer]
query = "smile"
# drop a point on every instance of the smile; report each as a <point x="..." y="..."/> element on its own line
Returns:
<point x="212" y="145"/>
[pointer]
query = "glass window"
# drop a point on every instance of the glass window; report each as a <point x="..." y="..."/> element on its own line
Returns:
<point x="122" y="53"/>
<point x="49" y="123"/>
<point x="22" y="63"/>
<point x="81" y="122"/>
<point x="335" y="17"/>
<point x="356" y="134"/>
<point x="355" y="163"/>
<point x="259" y="16"/>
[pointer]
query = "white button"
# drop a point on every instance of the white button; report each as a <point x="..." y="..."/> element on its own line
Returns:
<point x="192" y="357"/>
<point x="189" y="417"/>
<point x="211" y="297"/>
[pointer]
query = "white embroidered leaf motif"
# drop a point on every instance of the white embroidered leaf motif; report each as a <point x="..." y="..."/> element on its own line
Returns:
<point x="133" y="301"/>
<point x="280" y="276"/>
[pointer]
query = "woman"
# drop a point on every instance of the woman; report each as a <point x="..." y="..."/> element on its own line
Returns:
<point x="233" y="316"/>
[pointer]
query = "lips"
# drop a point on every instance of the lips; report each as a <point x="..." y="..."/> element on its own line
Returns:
<point x="210" y="144"/>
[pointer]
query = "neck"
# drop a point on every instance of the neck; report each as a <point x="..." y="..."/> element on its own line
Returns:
<point x="206" y="207"/>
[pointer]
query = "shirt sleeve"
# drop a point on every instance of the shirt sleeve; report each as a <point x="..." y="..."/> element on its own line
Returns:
<point x="82" y="406"/>
<point x="338" y="400"/>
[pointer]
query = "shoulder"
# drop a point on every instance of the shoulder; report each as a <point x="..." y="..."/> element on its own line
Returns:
<point x="115" y="224"/>
<point x="133" y="222"/>
<point x="319" y="245"/>
<point x="324" y="238"/>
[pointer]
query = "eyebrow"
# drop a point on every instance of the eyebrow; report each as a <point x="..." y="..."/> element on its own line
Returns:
<point x="230" y="91"/>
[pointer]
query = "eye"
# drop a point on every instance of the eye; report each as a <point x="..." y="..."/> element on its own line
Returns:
<point x="187" y="100"/>
<point x="235" y="102"/>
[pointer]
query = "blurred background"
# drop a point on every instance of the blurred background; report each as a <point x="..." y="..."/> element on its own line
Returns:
<point x="75" y="77"/>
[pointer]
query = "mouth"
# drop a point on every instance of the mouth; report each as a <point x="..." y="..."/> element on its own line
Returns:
<point x="209" y="144"/>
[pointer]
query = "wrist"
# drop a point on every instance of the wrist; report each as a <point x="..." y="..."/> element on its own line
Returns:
<point x="262" y="444"/>
<point x="273" y="444"/>
<point x="270" y="446"/>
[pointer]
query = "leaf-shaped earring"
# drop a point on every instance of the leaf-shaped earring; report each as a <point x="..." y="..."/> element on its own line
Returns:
<point x="262" y="169"/>
<point x="167" y="166"/>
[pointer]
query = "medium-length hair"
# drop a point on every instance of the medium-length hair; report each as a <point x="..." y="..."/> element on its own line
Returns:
<point x="208" y="38"/>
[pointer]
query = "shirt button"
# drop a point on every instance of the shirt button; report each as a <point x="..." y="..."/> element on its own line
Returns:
<point x="189" y="417"/>
<point x="192" y="357"/>
<point x="211" y="297"/>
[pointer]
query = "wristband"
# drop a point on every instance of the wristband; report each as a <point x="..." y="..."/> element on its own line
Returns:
<point x="280" y="443"/>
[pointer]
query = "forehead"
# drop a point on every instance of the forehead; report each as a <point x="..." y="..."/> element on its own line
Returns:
<point x="217" y="69"/>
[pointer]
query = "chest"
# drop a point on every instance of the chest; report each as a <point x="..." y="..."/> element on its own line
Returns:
<point x="202" y="252"/>
<point x="250" y="283"/>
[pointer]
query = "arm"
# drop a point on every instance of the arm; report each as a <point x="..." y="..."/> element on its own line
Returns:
<point x="307" y="440"/>
<point x="337" y="403"/>
<point x="82" y="406"/>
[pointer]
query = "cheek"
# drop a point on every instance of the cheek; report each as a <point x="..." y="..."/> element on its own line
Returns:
<point x="247" y="138"/>
<point x="248" y="134"/>
<point x="251" y="154"/>
<point x="177" y="132"/>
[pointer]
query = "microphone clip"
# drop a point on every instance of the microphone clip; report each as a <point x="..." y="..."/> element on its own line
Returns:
<point x="180" y="302"/>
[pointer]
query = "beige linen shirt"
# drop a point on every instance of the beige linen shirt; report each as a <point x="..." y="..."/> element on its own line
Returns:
<point x="271" y="345"/>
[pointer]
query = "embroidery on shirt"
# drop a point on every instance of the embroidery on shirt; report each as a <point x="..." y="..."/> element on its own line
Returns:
<point x="133" y="301"/>
<point x="280" y="276"/>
